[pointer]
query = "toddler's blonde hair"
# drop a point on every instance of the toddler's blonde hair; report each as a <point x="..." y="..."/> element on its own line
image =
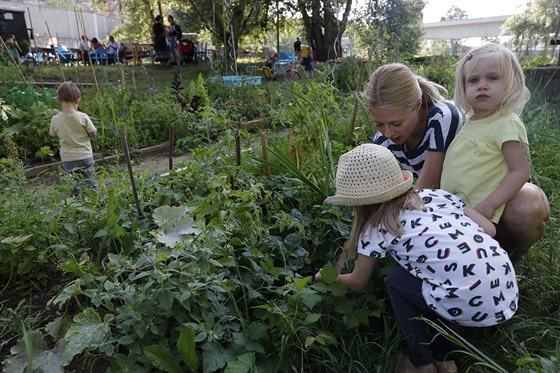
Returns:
<point x="516" y="94"/>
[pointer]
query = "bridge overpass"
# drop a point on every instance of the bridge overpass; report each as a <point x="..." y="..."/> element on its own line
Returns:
<point x="489" y="27"/>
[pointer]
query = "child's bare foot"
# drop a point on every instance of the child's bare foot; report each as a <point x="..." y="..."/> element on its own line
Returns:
<point x="406" y="366"/>
<point x="446" y="366"/>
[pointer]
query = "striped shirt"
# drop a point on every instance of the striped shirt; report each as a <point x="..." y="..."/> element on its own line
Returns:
<point x="444" y="122"/>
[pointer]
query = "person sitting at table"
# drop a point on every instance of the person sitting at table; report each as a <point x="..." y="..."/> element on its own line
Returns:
<point x="112" y="50"/>
<point x="96" y="44"/>
<point x="84" y="50"/>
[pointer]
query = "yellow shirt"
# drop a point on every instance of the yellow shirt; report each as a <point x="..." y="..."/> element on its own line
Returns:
<point x="474" y="164"/>
<point x="72" y="131"/>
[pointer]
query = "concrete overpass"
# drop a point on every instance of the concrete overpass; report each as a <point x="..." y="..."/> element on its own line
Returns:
<point x="489" y="27"/>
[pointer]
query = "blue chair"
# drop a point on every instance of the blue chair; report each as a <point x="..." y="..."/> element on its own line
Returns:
<point x="99" y="56"/>
<point x="65" y="55"/>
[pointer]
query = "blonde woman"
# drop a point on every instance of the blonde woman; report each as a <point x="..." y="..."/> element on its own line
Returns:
<point x="488" y="164"/>
<point x="450" y="270"/>
<point x="413" y="120"/>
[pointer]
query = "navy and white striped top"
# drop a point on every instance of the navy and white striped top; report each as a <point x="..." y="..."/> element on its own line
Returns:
<point x="444" y="122"/>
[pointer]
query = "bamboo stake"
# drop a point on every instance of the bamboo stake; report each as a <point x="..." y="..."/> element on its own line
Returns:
<point x="264" y="146"/>
<point x="131" y="173"/>
<point x="78" y="30"/>
<point x="54" y="51"/>
<point x="14" y="61"/>
<point x="89" y="54"/>
<point x="35" y="46"/>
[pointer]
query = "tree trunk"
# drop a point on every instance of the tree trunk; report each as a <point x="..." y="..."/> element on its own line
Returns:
<point x="322" y="28"/>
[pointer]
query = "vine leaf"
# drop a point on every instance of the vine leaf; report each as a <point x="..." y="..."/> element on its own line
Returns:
<point x="44" y="360"/>
<point x="175" y="225"/>
<point x="88" y="331"/>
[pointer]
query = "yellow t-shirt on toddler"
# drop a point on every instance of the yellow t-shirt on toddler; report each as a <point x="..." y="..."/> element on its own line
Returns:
<point x="72" y="130"/>
<point x="474" y="164"/>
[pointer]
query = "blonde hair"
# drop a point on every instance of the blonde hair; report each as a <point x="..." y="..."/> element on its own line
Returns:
<point x="516" y="94"/>
<point x="395" y="86"/>
<point x="68" y="92"/>
<point x="386" y="214"/>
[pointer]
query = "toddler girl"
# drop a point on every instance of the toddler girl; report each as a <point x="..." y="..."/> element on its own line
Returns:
<point x="487" y="165"/>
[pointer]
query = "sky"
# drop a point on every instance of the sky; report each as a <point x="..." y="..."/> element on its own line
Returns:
<point x="435" y="9"/>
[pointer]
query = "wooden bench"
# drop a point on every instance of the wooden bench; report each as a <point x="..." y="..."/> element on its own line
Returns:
<point x="135" y="52"/>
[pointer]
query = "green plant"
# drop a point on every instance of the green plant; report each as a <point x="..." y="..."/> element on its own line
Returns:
<point x="44" y="153"/>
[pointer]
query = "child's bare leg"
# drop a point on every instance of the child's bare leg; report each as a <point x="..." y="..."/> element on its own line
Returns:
<point x="406" y="366"/>
<point x="446" y="366"/>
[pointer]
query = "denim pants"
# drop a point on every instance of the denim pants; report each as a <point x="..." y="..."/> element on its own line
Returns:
<point x="83" y="172"/>
<point x="405" y="292"/>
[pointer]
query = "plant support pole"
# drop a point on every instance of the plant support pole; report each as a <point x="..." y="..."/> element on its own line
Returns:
<point x="171" y="142"/>
<point x="130" y="173"/>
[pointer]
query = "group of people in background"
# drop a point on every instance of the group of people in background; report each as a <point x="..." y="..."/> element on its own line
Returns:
<point x="166" y="39"/>
<point x="115" y="50"/>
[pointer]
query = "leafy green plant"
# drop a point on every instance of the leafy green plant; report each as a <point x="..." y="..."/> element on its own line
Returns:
<point x="44" y="153"/>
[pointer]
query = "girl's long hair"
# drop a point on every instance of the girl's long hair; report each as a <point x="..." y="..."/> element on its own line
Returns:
<point x="386" y="214"/>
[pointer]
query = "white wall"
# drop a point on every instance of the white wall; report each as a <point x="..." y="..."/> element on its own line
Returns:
<point x="62" y="24"/>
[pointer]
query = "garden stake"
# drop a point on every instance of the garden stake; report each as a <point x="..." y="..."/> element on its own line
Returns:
<point x="14" y="61"/>
<point x="237" y="148"/>
<point x="78" y="62"/>
<point x="264" y="146"/>
<point x="54" y="51"/>
<point x="35" y="46"/>
<point x="89" y="54"/>
<point x="171" y="142"/>
<point x="290" y="141"/>
<point x="130" y="173"/>
<point x="355" y="111"/>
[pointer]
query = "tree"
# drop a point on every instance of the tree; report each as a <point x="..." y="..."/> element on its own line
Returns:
<point x="325" y="22"/>
<point x="537" y="25"/>
<point x="455" y="13"/>
<point x="390" y="29"/>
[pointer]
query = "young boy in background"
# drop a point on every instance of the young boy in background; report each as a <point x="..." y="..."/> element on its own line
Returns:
<point x="74" y="130"/>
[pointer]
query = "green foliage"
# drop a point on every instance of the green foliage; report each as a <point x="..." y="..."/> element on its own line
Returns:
<point x="217" y="274"/>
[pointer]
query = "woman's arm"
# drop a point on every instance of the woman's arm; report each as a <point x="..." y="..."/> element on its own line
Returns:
<point x="430" y="175"/>
<point x="519" y="170"/>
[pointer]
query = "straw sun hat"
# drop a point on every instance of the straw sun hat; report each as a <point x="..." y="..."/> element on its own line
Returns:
<point x="367" y="175"/>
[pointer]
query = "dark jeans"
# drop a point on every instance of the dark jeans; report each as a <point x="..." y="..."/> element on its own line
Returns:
<point x="83" y="173"/>
<point x="405" y="292"/>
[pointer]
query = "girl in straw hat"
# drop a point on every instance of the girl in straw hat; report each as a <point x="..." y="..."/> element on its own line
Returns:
<point x="450" y="270"/>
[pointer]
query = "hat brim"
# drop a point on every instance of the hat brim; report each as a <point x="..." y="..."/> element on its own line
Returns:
<point x="387" y="195"/>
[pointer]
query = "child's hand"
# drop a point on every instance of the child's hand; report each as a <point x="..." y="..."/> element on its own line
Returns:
<point x="318" y="276"/>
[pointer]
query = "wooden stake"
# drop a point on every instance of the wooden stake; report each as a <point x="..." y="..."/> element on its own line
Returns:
<point x="36" y="50"/>
<point x="89" y="54"/>
<point x="171" y="146"/>
<point x="264" y="146"/>
<point x="131" y="173"/>
<point x="238" y="148"/>
<point x="54" y="51"/>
